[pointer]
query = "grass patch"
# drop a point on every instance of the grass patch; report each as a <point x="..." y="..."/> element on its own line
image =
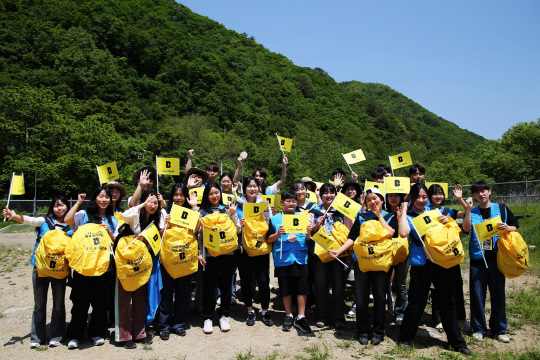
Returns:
<point x="42" y="348"/>
<point x="250" y="356"/>
<point x="315" y="352"/>
<point x="11" y="258"/>
<point x="524" y="305"/>
<point x="344" y="344"/>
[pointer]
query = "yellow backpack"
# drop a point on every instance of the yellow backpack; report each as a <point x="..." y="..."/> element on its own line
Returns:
<point x="513" y="254"/>
<point x="179" y="252"/>
<point x="50" y="255"/>
<point x="400" y="249"/>
<point x="254" y="237"/>
<point x="134" y="265"/>
<point x="89" y="250"/>
<point x="221" y="222"/>
<point x="373" y="248"/>
<point x="444" y="245"/>
<point x="333" y="241"/>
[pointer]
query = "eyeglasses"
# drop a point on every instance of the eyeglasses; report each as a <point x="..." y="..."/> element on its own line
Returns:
<point x="290" y="202"/>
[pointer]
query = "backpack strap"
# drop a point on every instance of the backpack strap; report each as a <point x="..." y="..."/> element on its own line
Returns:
<point x="49" y="223"/>
<point x="388" y="216"/>
<point x="502" y="210"/>
<point x="446" y="211"/>
<point x="365" y="216"/>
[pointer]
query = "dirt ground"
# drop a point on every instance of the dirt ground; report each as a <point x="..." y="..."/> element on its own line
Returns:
<point x="16" y="303"/>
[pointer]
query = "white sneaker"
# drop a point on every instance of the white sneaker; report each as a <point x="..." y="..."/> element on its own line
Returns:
<point x="34" y="344"/>
<point x="439" y="327"/>
<point x="73" y="344"/>
<point x="207" y="329"/>
<point x="399" y="320"/>
<point x="54" y="343"/>
<point x="503" y="338"/>
<point x="478" y="336"/>
<point x="224" y="324"/>
<point x="464" y="325"/>
<point x="218" y="301"/>
<point x="98" y="340"/>
<point x="352" y="312"/>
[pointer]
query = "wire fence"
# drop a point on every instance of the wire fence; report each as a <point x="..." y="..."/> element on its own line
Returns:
<point x="518" y="192"/>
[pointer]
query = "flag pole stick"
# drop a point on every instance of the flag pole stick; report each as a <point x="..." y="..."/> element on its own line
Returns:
<point x="9" y="195"/>
<point x="137" y="235"/>
<point x="349" y="165"/>
<point x="318" y="243"/>
<point x="391" y="167"/>
<point x="99" y="176"/>
<point x="157" y="176"/>
<point x="422" y="241"/>
<point x="281" y="147"/>
<point x="163" y="237"/>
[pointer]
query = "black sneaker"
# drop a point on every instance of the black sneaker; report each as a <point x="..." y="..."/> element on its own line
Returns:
<point x="287" y="325"/>
<point x="363" y="339"/>
<point x="376" y="339"/>
<point x="147" y="340"/>
<point x="130" y="344"/>
<point x="267" y="319"/>
<point x="180" y="332"/>
<point x="464" y="351"/>
<point x="302" y="325"/>
<point x="164" y="335"/>
<point x="251" y="318"/>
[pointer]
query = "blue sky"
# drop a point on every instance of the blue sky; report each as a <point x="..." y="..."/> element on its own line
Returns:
<point x="475" y="63"/>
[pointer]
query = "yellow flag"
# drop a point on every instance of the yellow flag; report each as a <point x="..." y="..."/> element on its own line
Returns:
<point x="151" y="234"/>
<point x="168" y="166"/>
<point x="295" y="224"/>
<point x="286" y="144"/>
<point x="354" y="157"/>
<point x="400" y="160"/>
<point x="319" y="184"/>
<point x="227" y="198"/>
<point x="277" y="203"/>
<point x="397" y="185"/>
<point x="212" y="239"/>
<point x="487" y="229"/>
<point x="380" y="186"/>
<point x="17" y="185"/>
<point x="443" y="185"/>
<point x="270" y="199"/>
<point x="325" y="241"/>
<point x="311" y="196"/>
<point x="427" y="222"/>
<point x="184" y="217"/>
<point x="108" y="172"/>
<point x="199" y="192"/>
<point x="346" y="206"/>
<point x="253" y="210"/>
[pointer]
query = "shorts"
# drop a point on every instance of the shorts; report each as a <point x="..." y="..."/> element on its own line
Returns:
<point x="293" y="285"/>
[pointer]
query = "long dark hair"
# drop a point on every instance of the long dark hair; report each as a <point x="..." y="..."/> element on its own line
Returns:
<point x="92" y="210"/>
<point x="155" y="217"/>
<point x="185" y="191"/>
<point x="387" y="206"/>
<point x="264" y="175"/>
<point x="63" y="200"/>
<point x="205" y="203"/>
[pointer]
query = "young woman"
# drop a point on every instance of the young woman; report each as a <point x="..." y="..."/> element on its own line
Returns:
<point x="331" y="273"/>
<point x="173" y="315"/>
<point x="131" y="305"/>
<point x="423" y="273"/>
<point x="91" y="290"/>
<point x="300" y="190"/>
<point x="257" y="265"/>
<point x="53" y="220"/>
<point x="376" y="280"/>
<point x="437" y="196"/>
<point x="222" y="266"/>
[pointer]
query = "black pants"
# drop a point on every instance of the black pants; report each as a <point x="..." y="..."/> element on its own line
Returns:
<point x="457" y="283"/>
<point x="260" y="265"/>
<point x="220" y="269"/>
<point x="421" y="279"/>
<point x="86" y="291"/>
<point x="377" y="281"/>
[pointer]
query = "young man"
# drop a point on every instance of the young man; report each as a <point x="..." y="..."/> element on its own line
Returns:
<point x="417" y="175"/>
<point x="290" y="252"/>
<point x="212" y="169"/>
<point x="378" y="175"/>
<point x="482" y="277"/>
<point x="338" y="177"/>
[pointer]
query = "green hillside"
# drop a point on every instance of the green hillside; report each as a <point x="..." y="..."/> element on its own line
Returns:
<point x="83" y="83"/>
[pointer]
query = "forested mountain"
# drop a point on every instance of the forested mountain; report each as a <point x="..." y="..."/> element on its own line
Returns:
<point x="83" y="83"/>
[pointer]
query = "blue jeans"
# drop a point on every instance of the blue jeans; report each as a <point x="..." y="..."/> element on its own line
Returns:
<point x="400" y="281"/>
<point x="173" y="315"/>
<point x="378" y="282"/>
<point x="482" y="278"/>
<point x="39" y="316"/>
<point x="330" y="307"/>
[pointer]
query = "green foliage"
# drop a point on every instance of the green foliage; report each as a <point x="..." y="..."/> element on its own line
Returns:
<point x="91" y="82"/>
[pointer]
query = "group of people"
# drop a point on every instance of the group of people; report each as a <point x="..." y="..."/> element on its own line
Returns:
<point x="306" y="274"/>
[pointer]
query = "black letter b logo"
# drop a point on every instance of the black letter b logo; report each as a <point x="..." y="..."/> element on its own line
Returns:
<point x="168" y="164"/>
<point x="397" y="182"/>
<point x="400" y="159"/>
<point x="347" y="204"/>
<point x="184" y="215"/>
<point x="296" y="222"/>
<point x="109" y="170"/>
<point x="489" y="227"/>
<point x="427" y="219"/>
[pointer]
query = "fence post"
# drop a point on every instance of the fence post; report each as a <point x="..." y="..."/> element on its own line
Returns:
<point x="526" y="193"/>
